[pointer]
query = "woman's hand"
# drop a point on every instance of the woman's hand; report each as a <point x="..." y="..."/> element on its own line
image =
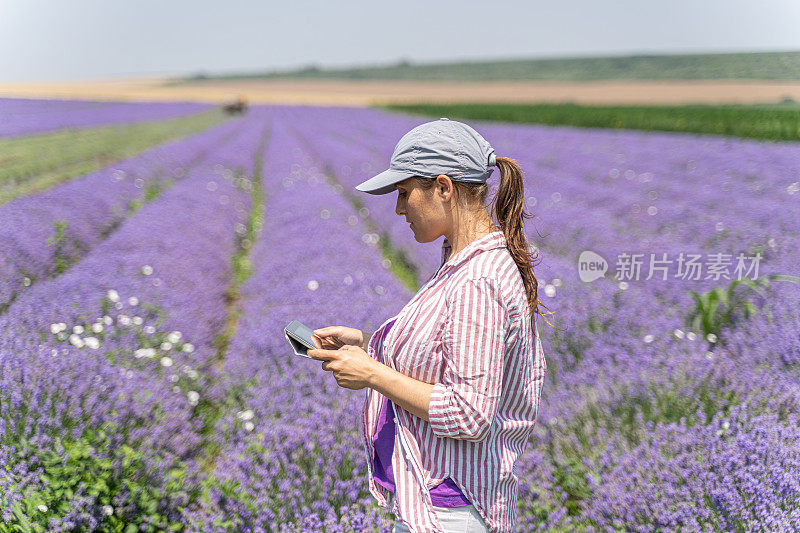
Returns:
<point x="334" y="337"/>
<point x="352" y="367"/>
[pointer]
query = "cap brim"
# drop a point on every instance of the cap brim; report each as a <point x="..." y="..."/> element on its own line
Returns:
<point x="383" y="183"/>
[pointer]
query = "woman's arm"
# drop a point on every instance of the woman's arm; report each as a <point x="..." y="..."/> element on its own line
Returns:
<point x="410" y="394"/>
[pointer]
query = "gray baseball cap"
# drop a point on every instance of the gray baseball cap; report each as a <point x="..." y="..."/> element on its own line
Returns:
<point x="443" y="146"/>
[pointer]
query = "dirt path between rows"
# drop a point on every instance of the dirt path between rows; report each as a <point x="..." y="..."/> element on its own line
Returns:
<point x="366" y="92"/>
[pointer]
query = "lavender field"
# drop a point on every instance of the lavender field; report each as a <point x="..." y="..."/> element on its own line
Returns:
<point x="146" y="384"/>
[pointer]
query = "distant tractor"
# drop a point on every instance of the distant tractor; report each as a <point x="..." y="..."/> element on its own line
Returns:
<point x="236" y="108"/>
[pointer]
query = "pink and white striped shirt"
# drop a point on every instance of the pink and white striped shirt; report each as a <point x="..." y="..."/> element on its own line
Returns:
<point x="466" y="331"/>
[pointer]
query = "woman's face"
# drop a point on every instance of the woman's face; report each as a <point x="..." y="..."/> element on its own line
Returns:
<point x="424" y="209"/>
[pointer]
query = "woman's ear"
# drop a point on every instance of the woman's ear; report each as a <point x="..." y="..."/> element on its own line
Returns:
<point x="444" y="186"/>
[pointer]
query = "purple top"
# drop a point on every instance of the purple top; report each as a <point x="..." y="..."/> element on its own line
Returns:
<point x="445" y="494"/>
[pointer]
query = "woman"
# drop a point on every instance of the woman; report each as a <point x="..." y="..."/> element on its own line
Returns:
<point x="453" y="379"/>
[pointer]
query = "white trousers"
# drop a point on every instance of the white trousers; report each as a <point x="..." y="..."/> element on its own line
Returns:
<point x="464" y="519"/>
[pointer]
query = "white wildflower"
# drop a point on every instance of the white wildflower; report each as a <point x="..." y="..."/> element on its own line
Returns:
<point x="192" y="373"/>
<point x="55" y="329"/>
<point x="648" y="339"/>
<point x="188" y="347"/>
<point x="108" y="320"/>
<point x="97" y="328"/>
<point x="550" y="290"/>
<point x="144" y="352"/>
<point x="108" y="510"/>
<point x="123" y="320"/>
<point x="133" y="301"/>
<point x="174" y="337"/>
<point x="249" y="426"/>
<point x="193" y="397"/>
<point x="147" y="270"/>
<point x="711" y="338"/>
<point x="623" y="285"/>
<point x="173" y="377"/>
<point x="166" y="361"/>
<point x="42" y="508"/>
<point x="678" y="333"/>
<point x="691" y="336"/>
<point x="313" y="285"/>
<point x="137" y="320"/>
<point x="75" y="340"/>
<point x="245" y="415"/>
<point x="92" y="342"/>
<point x="149" y="330"/>
<point x="113" y="295"/>
<point x="166" y="346"/>
<point x="77" y="329"/>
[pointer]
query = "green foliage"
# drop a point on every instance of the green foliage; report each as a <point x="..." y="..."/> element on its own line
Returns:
<point x="778" y="123"/>
<point x="722" y="307"/>
<point x="571" y="477"/>
<point x="151" y="191"/>
<point x="95" y="467"/>
<point x="59" y="241"/>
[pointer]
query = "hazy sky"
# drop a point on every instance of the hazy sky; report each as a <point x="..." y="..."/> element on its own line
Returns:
<point x="95" y="39"/>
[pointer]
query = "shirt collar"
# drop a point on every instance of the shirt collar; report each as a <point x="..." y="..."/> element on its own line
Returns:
<point x="496" y="239"/>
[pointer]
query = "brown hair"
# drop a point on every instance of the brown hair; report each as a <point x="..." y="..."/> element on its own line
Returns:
<point x="509" y="210"/>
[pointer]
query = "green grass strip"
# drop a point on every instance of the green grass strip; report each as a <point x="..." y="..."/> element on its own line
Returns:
<point x="763" y="122"/>
<point x="34" y="163"/>
<point x="210" y="411"/>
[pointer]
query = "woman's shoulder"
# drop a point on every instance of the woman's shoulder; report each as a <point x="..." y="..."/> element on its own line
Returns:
<point x="495" y="266"/>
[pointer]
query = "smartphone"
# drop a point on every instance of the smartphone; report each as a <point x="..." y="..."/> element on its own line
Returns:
<point x="300" y="337"/>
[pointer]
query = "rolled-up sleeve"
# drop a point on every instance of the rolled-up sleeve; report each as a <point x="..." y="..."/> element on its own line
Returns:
<point x="463" y="404"/>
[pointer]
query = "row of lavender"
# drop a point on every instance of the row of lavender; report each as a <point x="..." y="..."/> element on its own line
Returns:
<point x="89" y="208"/>
<point x="22" y="116"/>
<point x="106" y="368"/>
<point x="628" y="378"/>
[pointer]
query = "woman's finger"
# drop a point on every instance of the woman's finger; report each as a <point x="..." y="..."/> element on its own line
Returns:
<point x="322" y="355"/>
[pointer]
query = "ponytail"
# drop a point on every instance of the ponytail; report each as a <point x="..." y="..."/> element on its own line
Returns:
<point x="509" y="210"/>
